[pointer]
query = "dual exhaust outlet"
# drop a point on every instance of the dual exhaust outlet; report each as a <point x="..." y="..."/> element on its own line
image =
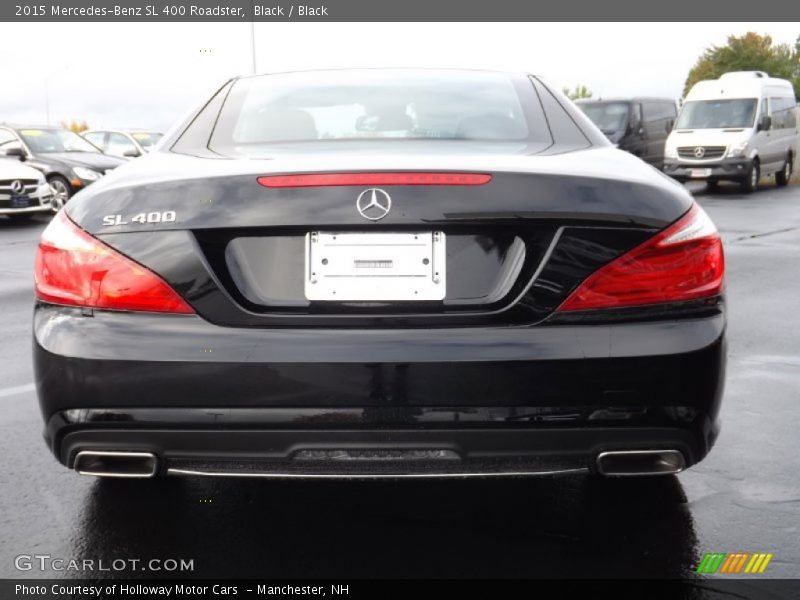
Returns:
<point x="612" y="463"/>
<point x="617" y="463"/>
<point x="116" y="464"/>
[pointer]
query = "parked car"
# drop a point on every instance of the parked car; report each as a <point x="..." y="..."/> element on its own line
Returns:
<point x="637" y="125"/>
<point x="394" y="273"/>
<point x="24" y="191"/>
<point x="123" y="143"/>
<point x="740" y="127"/>
<point x="68" y="161"/>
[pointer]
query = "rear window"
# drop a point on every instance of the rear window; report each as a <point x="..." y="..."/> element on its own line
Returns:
<point x="326" y="107"/>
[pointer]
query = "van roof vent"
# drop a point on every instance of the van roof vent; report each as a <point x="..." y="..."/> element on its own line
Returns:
<point x="744" y="75"/>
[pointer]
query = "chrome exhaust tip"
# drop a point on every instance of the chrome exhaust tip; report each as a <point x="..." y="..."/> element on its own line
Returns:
<point x="101" y="463"/>
<point x="640" y="462"/>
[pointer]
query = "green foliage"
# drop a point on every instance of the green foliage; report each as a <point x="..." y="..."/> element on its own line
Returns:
<point x="74" y="126"/>
<point x="749" y="52"/>
<point x="580" y="91"/>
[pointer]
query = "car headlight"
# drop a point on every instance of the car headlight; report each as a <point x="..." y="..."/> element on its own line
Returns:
<point x="739" y="149"/>
<point x="670" y="153"/>
<point x="87" y="174"/>
<point x="42" y="188"/>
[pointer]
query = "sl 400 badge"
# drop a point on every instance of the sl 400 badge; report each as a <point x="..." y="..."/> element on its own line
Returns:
<point x="164" y="216"/>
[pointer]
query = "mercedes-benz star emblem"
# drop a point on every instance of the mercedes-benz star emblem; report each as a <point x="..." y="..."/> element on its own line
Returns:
<point x="17" y="187"/>
<point x="373" y="204"/>
<point x="699" y="152"/>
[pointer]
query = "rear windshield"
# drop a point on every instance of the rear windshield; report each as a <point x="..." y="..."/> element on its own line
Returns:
<point x="717" y="114"/>
<point x="377" y="105"/>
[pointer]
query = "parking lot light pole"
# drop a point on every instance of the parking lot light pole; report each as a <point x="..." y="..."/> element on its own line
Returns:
<point x="47" y="79"/>
<point x="253" y="36"/>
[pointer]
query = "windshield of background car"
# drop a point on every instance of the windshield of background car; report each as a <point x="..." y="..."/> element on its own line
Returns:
<point x="610" y="117"/>
<point x="147" y="140"/>
<point x="44" y="141"/>
<point x="717" y="114"/>
<point x="368" y="105"/>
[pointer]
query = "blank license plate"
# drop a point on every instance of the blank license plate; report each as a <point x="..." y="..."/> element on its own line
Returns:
<point x="699" y="173"/>
<point x="351" y="267"/>
<point x="20" y="202"/>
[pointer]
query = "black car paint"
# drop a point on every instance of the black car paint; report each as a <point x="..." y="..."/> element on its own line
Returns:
<point x="190" y="376"/>
<point x="634" y="378"/>
<point x="63" y="163"/>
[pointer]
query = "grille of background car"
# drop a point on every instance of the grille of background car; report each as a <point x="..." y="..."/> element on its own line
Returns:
<point x="711" y="152"/>
<point x="5" y="187"/>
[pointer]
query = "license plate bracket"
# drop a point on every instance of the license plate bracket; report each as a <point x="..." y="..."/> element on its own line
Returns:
<point x="699" y="173"/>
<point x="374" y="267"/>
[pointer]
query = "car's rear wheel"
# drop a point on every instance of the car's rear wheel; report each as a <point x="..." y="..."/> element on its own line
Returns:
<point x="750" y="183"/>
<point x="782" y="177"/>
<point x="61" y="192"/>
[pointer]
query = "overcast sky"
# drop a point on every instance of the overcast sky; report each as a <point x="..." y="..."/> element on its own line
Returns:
<point x="148" y="75"/>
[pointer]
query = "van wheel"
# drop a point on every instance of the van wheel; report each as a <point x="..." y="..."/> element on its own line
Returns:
<point x="782" y="177"/>
<point x="750" y="183"/>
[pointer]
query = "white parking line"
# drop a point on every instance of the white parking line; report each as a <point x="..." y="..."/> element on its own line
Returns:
<point x="18" y="389"/>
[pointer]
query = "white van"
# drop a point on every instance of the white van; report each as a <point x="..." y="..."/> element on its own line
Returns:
<point x="740" y="127"/>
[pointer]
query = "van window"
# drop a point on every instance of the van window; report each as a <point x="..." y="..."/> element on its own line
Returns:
<point x="610" y="117"/>
<point x="783" y="115"/>
<point x="717" y="114"/>
<point x="658" y="111"/>
<point x="764" y="108"/>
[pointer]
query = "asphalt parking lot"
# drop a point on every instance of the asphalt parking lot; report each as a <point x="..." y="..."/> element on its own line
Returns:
<point x="744" y="497"/>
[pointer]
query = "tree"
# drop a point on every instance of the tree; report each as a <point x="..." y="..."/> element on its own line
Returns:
<point x="749" y="52"/>
<point x="580" y="91"/>
<point x="74" y="126"/>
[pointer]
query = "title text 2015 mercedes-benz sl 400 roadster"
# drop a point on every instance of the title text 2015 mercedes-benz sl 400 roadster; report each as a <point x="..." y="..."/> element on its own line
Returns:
<point x="381" y="273"/>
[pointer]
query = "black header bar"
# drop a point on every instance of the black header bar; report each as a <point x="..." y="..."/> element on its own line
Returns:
<point x="149" y="11"/>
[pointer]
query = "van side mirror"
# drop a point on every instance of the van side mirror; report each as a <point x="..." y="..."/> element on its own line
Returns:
<point x="670" y="124"/>
<point x="132" y="153"/>
<point x="16" y="151"/>
<point x="765" y="124"/>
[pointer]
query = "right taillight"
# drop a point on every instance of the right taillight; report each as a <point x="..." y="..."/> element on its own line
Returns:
<point x="683" y="262"/>
<point x="76" y="269"/>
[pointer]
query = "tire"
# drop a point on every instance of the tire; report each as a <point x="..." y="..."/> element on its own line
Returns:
<point x="783" y="176"/>
<point x="61" y="191"/>
<point x="750" y="183"/>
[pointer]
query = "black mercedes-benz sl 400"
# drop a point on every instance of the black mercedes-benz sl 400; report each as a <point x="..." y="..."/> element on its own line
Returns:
<point x="381" y="273"/>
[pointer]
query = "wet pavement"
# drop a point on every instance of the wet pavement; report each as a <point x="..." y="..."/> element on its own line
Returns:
<point x="744" y="497"/>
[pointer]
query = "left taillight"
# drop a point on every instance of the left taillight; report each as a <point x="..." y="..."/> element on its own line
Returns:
<point x="76" y="269"/>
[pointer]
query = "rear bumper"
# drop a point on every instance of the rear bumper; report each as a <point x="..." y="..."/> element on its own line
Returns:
<point x="726" y="169"/>
<point x="519" y="400"/>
